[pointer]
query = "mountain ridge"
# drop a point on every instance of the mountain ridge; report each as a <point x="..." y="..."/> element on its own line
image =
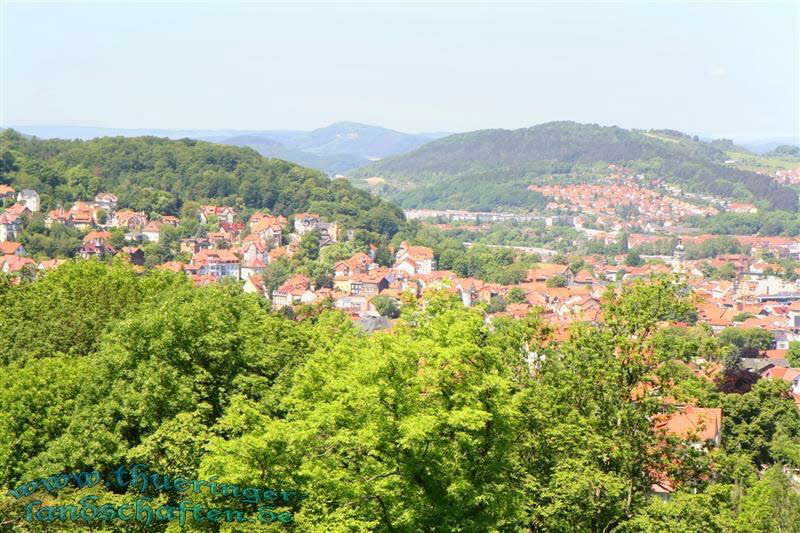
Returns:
<point x="334" y="148"/>
<point x="510" y="159"/>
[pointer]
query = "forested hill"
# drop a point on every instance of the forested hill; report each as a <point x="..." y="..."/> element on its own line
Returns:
<point x="439" y="172"/>
<point x="160" y="176"/>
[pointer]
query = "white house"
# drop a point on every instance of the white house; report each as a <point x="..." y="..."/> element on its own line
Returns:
<point x="30" y="199"/>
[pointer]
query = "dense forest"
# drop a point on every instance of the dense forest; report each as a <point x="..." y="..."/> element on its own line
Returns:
<point x="446" y="423"/>
<point x="159" y="176"/>
<point x="498" y="163"/>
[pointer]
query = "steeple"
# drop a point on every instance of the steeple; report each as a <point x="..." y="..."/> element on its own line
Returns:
<point x="680" y="252"/>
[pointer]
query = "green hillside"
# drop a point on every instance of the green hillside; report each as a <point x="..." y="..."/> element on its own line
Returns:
<point x="160" y="176"/>
<point x="493" y="166"/>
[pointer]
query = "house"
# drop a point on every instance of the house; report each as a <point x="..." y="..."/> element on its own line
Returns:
<point x="270" y="229"/>
<point x="254" y="284"/>
<point x="414" y="259"/>
<point x="192" y="245"/>
<point x="106" y="201"/>
<point x="152" y="231"/>
<point x="218" y="263"/>
<point x="10" y="226"/>
<point x="82" y="216"/>
<point x="127" y="219"/>
<point x="94" y="250"/>
<point x="6" y="192"/>
<point x="352" y="304"/>
<point x="11" y="248"/>
<point x="360" y="263"/>
<point x="171" y="220"/>
<point x="370" y="283"/>
<point x="329" y="233"/>
<point x="59" y="216"/>
<point x="30" y="199"/>
<point x="253" y="267"/>
<point x="306" y="222"/>
<point x="254" y="248"/>
<point x="223" y="214"/>
<point x="135" y="255"/>
<point x="291" y="291"/>
<point x="255" y="256"/>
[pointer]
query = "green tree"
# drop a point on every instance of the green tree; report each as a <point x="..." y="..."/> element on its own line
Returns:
<point x="755" y="419"/>
<point x="772" y="504"/>
<point x="747" y="342"/>
<point x="516" y="296"/>
<point x="633" y="260"/>
<point x="309" y="245"/>
<point x="793" y="355"/>
<point x="386" y="306"/>
<point x="497" y="304"/>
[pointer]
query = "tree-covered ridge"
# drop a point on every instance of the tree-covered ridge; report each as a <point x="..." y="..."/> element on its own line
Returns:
<point x="501" y="157"/>
<point x="159" y="176"/>
<point x="446" y="423"/>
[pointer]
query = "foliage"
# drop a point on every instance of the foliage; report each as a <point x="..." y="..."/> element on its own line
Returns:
<point x="492" y="168"/>
<point x="793" y="355"/>
<point x="386" y="306"/>
<point x="556" y="281"/>
<point x="446" y="423"/>
<point x="747" y="342"/>
<point x="756" y="421"/>
<point x="633" y="260"/>
<point x="161" y="176"/>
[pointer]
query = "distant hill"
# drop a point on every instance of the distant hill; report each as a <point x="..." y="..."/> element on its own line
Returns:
<point x="162" y="176"/>
<point x="334" y="149"/>
<point x="762" y="146"/>
<point x="492" y="168"/>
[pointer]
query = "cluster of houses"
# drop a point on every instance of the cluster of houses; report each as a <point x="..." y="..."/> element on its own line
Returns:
<point x="12" y="219"/>
<point x="647" y="206"/>
<point x="756" y="298"/>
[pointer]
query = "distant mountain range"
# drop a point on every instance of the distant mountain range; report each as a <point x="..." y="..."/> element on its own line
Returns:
<point x="762" y="146"/>
<point x="336" y="148"/>
<point x="488" y="169"/>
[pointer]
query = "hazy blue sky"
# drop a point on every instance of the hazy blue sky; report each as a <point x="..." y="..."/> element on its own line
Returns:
<point x="723" y="68"/>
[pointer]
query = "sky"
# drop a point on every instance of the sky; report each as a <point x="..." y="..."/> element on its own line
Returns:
<point x="726" y="69"/>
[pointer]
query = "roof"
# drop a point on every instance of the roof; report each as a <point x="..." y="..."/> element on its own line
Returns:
<point x="546" y="270"/>
<point x="16" y="209"/>
<point x="214" y="256"/>
<point x="692" y="423"/>
<point x="92" y="235"/>
<point x="417" y="253"/>
<point x="9" y="247"/>
<point x="15" y="263"/>
<point x="51" y="263"/>
<point x="297" y="284"/>
<point x="174" y="266"/>
<point x="785" y="374"/>
<point x="153" y="226"/>
<point x="258" y="282"/>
